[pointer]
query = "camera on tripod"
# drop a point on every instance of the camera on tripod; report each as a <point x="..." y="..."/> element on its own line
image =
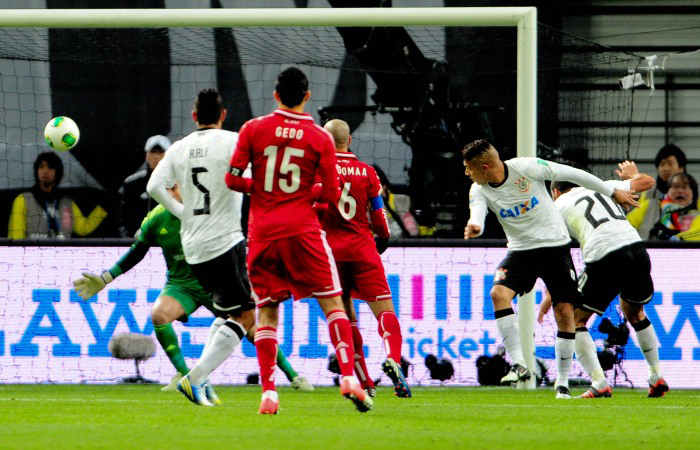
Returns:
<point x="614" y="353"/>
<point x="617" y="334"/>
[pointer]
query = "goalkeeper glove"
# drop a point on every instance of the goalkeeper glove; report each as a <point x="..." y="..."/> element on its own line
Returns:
<point x="91" y="284"/>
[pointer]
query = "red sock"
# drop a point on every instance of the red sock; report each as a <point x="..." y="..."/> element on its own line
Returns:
<point x="360" y="365"/>
<point x="390" y="332"/>
<point x="266" y="346"/>
<point x="341" y="337"/>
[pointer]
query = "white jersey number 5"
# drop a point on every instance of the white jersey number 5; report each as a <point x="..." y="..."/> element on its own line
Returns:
<point x="287" y="185"/>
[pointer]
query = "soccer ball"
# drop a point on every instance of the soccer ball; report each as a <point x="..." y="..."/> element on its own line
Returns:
<point x="61" y="133"/>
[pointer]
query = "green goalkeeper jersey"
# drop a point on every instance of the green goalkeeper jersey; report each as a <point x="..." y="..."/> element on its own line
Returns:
<point x="160" y="228"/>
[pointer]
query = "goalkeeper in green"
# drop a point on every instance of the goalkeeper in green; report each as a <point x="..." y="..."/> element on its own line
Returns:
<point x="181" y="296"/>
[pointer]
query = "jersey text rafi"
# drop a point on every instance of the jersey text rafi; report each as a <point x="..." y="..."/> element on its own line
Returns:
<point x="198" y="152"/>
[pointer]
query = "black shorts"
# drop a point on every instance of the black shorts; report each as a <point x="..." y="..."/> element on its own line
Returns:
<point x="625" y="271"/>
<point x="226" y="279"/>
<point x="520" y="270"/>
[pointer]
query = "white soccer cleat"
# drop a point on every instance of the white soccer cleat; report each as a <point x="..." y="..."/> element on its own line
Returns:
<point x="211" y="394"/>
<point x="563" y="392"/>
<point x="302" y="384"/>
<point x="194" y="393"/>
<point x="172" y="386"/>
<point x="517" y="373"/>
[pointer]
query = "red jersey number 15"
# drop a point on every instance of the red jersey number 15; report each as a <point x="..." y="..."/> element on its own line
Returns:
<point x="287" y="185"/>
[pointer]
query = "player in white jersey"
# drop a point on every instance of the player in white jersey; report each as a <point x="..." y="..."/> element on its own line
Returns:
<point x="538" y="244"/>
<point x="616" y="263"/>
<point x="212" y="238"/>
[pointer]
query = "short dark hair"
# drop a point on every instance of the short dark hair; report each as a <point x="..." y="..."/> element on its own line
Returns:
<point x="53" y="161"/>
<point x="208" y="106"/>
<point x="291" y="86"/>
<point x="691" y="181"/>
<point x="563" y="186"/>
<point x="475" y="149"/>
<point x="671" y="150"/>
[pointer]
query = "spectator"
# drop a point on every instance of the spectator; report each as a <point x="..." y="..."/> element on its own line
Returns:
<point x="45" y="211"/>
<point x="134" y="201"/>
<point x="680" y="218"/>
<point x="398" y="208"/>
<point x="669" y="161"/>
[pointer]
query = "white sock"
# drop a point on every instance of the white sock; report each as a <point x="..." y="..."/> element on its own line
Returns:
<point x="213" y="328"/>
<point x="587" y="355"/>
<point x="650" y="349"/>
<point x="508" y="329"/>
<point x="222" y="345"/>
<point x="564" y="353"/>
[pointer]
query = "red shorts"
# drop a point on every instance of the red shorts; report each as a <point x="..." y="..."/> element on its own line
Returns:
<point x="300" y="266"/>
<point x="364" y="280"/>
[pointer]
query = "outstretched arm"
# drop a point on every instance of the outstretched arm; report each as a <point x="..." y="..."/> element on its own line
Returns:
<point x="477" y="213"/>
<point x="90" y="284"/>
<point x="639" y="182"/>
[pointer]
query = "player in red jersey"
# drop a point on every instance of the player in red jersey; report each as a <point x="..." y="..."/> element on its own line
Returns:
<point x="362" y="276"/>
<point x="288" y="254"/>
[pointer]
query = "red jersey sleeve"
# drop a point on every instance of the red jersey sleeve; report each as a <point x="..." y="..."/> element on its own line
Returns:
<point x="239" y="162"/>
<point x="327" y="173"/>
<point x="377" y="217"/>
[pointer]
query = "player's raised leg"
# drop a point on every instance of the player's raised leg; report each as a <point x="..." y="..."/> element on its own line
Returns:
<point x="507" y="324"/>
<point x="648" y="342"/>
<point x="267" y="347"/>
<point x="341" y="337"/>
<point x="164" y="312"/>
<point x="389" y="330"/>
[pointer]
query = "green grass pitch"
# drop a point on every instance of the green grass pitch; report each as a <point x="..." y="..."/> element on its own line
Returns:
<point x="85" y="416"/>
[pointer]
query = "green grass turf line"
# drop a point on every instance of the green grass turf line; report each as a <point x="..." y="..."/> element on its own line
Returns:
<point x="89" y="416"/>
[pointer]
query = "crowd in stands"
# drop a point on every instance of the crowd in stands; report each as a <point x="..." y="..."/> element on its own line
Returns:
<point x="669" y="211"/>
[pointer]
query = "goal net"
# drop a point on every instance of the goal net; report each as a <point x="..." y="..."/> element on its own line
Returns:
<point x="413" y="96"/>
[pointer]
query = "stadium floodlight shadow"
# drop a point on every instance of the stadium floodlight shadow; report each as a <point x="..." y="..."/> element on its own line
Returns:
<point x="134" y="346"/>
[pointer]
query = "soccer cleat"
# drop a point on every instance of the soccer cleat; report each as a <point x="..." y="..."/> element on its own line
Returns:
<point x="270" y="403"/>
<point x="350" y="388"/>
<point x="371" y="391"/>
<point x="195" y="394"/>
<point x="394" y="372"/>
<point x="302" y="384"/>
<point x="658" y="389"/>
<point x="595" y="393"/>
<point x="172" y="386"/>
<point x="211" y="394"/>
<point x="517" y="373"/>
<point x="563" y="392"/>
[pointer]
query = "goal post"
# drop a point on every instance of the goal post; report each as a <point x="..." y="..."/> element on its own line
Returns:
<point x="523" y="18"/>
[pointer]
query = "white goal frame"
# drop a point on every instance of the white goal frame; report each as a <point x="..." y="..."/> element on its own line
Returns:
<point x="524" y="18"/>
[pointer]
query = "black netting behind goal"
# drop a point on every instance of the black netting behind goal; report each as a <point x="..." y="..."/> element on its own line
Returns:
<point x="413" y="97"/>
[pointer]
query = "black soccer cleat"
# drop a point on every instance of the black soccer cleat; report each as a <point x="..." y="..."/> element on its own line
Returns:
<point x="394" y="372"/>
<point x="517" y="373"/>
